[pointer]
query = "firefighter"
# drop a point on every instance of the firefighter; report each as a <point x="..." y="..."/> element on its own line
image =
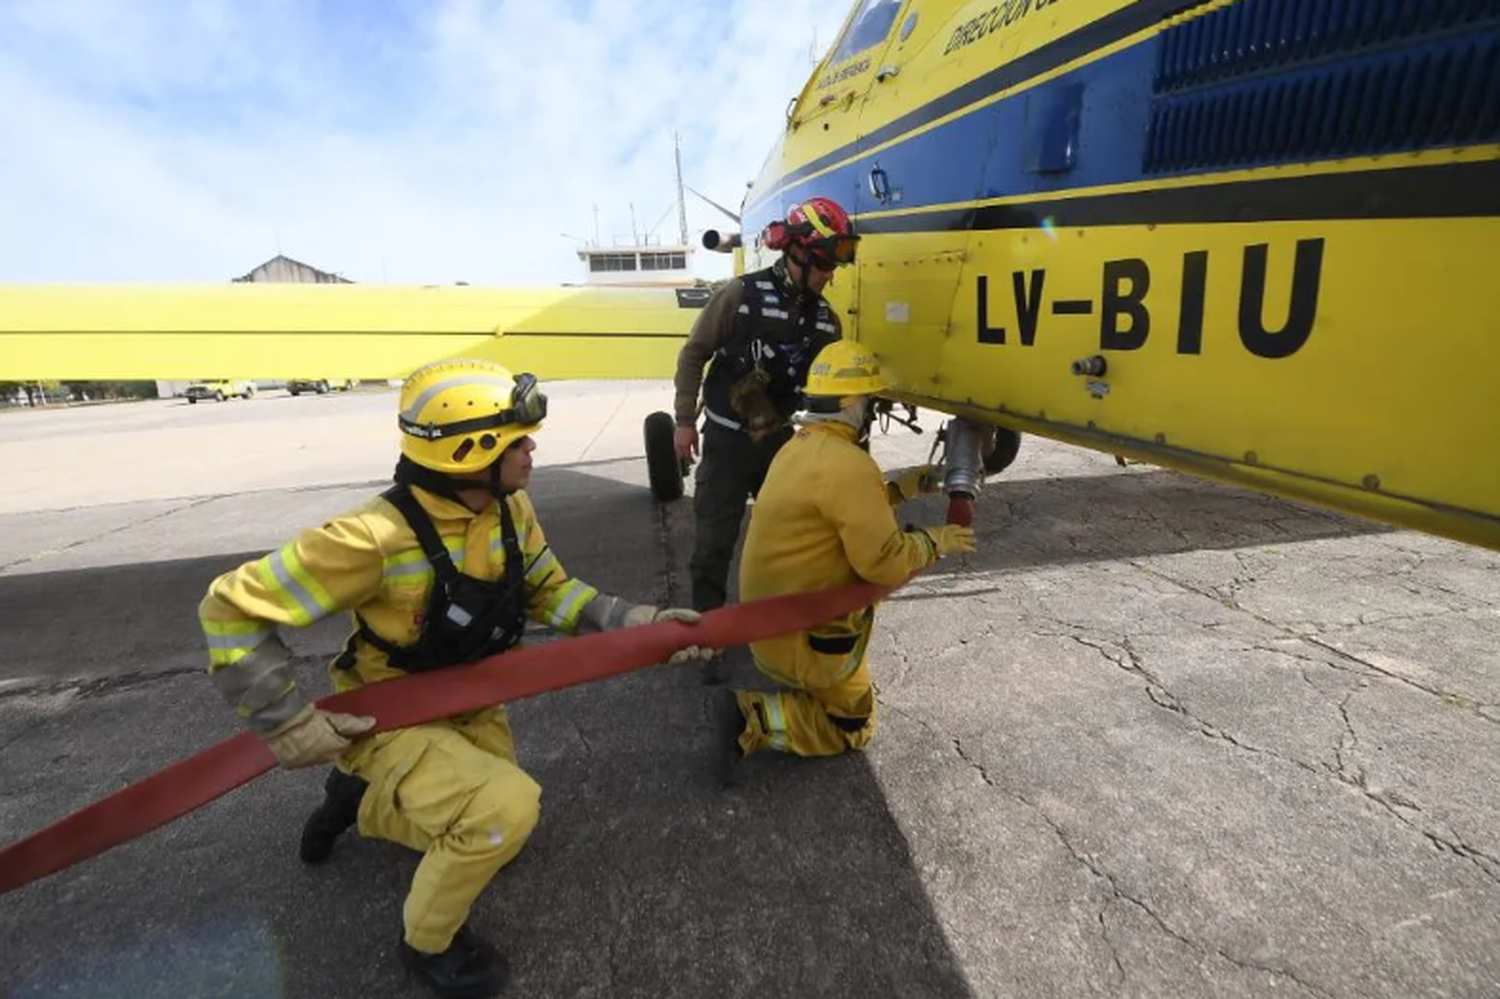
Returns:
<point x="441" y="569"/>
<point x="825" y="517"/>
<point x="760" y="331"/>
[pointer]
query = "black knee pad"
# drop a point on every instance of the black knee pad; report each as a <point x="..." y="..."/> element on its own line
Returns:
<point x="849" y="724"/>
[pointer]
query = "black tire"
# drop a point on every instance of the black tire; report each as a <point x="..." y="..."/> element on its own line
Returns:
<point x="295" y="392"/>
<point x="322" y="388"/>
<point x="662" y="466"/>
<point x="1007" y="445"/>
<point x="218" y="396"/>
<point x="192" y="401"/>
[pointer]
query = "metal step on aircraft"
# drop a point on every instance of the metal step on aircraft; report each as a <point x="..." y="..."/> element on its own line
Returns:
<point x="1252" y="240"/>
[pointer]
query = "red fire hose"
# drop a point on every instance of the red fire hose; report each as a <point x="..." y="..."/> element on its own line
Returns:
<point x="173" y="792"/>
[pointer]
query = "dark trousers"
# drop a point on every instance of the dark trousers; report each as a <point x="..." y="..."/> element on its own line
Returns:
<point x="730" y="471"/>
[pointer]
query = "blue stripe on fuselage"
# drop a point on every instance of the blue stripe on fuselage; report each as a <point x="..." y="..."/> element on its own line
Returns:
<point x="955" y="162"/>
<point x="1430" y="90"/>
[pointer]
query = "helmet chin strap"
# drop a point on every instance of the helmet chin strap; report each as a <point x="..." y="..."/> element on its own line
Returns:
<point x="798" y="287"/>
<point x="496" y="489"/>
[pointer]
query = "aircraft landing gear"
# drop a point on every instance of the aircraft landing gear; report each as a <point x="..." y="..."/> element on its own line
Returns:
<point x="971" y="452"/>
<point x="1001" y="449"/>
<point x="663" y="468"/>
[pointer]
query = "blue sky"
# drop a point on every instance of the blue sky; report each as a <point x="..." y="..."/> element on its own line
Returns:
<point x="401" y="141"/>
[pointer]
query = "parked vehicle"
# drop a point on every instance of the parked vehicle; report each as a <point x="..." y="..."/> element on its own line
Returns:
<point x="220" y="389"/>
<point x="321" y="386"/>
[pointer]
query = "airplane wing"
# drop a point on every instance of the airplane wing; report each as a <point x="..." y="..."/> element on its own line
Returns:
<point x="250" y="330"/>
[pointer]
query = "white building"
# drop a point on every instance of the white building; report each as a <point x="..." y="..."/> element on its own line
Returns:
<point x="641" y="263"/>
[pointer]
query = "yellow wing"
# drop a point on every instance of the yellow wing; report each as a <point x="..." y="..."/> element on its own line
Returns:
<point x="87" y="332"/>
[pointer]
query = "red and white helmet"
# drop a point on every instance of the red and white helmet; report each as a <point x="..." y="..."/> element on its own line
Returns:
<point x="821" y="228"/>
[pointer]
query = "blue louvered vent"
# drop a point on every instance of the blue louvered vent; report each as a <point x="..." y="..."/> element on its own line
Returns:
<point x="1275" y="81"/>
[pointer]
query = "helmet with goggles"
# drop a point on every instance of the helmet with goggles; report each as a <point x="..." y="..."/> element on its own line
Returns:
<point x="820" y="228"/>
<point x="460" y="415"/>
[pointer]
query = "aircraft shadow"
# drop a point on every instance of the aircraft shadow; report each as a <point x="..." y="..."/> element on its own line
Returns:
<point x="642" y="879"/>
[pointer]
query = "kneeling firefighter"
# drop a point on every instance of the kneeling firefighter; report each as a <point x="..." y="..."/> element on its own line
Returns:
<point x="441" y="569"/>
<point x="825" y="518"/>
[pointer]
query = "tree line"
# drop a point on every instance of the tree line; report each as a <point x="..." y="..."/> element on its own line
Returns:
<point x="40" y="393"/>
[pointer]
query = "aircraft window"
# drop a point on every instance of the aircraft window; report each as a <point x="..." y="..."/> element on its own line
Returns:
<point x="869" y="28"/>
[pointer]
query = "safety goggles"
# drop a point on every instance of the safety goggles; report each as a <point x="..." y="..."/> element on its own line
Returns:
<point x="832" y="251"/>
<point x="528" y="404"/>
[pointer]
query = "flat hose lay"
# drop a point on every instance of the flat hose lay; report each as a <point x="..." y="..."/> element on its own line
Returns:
<point x="410" y="700"/>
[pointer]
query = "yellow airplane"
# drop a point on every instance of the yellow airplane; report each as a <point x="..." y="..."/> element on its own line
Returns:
<point x="1251" y="240"/>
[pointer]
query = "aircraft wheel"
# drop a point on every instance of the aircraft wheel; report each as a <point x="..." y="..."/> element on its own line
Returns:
<point x="662" y="466"/>
<point x="1007" y="444"/>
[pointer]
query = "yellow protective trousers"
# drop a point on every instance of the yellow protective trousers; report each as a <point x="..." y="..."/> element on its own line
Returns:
<point x="452" y="790"/>
<point x="828" y="707"/>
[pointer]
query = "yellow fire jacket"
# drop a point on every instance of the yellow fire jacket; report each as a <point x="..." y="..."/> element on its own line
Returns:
<point x="368" y="560"/>
<point x="823" y="518"/>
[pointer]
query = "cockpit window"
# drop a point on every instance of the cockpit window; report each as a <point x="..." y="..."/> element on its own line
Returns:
<point x="869" y="27"/>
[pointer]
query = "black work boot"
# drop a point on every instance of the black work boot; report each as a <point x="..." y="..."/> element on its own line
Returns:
<point x="339" y="811"/>
<point x="468" y="969"/>
<point x="725" y="723"/>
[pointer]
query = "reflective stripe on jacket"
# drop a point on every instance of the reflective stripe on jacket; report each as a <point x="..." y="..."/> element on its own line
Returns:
<point x="369" y="560"/>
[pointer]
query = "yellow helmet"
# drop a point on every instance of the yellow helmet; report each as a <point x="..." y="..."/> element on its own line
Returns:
<point x="845" y="368"/>
<point x="460" y="415"/>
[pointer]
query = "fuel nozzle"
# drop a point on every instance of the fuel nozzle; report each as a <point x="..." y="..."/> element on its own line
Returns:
<point x="963" y="469"/>
<point x="1094" y="366"/>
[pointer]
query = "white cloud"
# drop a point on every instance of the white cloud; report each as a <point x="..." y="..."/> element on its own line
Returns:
<point x="415" y="142"/>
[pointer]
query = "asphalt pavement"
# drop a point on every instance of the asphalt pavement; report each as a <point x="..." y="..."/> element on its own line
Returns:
<point x="1157" y="737"/>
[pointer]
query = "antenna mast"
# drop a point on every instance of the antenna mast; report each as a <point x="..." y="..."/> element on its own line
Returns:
<point x="681" y="200"/>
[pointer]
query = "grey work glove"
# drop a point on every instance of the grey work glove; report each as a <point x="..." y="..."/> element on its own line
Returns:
<point x="314" y="736"/>
<point x="950" y="538"/>
<point x="923" y="480"/>
<point x="647" y="614"/>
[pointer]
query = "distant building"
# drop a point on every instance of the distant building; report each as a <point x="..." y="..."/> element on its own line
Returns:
<point x="644" y="263"/>
<point x="280" y="269"/>
<point x="284" y="270"/>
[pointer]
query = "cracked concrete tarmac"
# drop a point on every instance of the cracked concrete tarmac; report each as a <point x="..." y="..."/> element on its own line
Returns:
<point x="1157" y="737"/>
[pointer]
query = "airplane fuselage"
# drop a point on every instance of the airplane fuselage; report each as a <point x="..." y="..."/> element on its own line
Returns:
<point x="1274" y="226"/>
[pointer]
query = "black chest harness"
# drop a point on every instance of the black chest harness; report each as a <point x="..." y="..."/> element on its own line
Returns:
<point x="466" y="618"/>
<point x="775" y="334"/>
